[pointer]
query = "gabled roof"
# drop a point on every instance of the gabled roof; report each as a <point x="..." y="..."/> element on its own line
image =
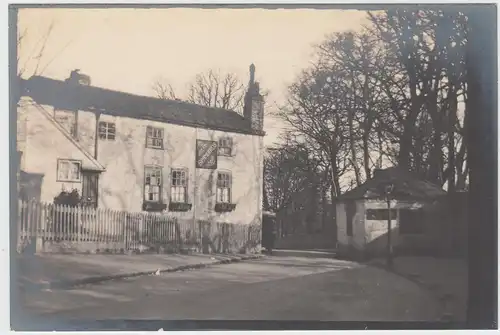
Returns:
<point x="89" y="162"/>
<point x="406" y="186"/>
<point x="65" y="95"/>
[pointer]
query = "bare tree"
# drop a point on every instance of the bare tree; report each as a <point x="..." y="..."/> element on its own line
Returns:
<point x="163" y="89"/>
<point x="291" y="175"/>
<point x="317" y="114"/>
<point x="211" y="88"/>
<point x="36" y="60"/>
<point x="37" y="57"/>
<point x="429" y="46"/>
<point x="217" y="90"/>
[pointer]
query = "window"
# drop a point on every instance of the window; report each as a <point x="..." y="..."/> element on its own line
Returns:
<point x="178" y="187"/>
<point x="223" y="187"/>
<point x="225" y="146"/>
<point x="381" y="214"/>
<point x="107" y="130"/>
<point x="411" y="221"/>
<point x="152" y="183"/>
<point x="68" y="170"/>
<point x="154" y="138"/>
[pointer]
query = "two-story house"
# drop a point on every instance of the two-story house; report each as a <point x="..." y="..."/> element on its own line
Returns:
<point x="135" y="153"/>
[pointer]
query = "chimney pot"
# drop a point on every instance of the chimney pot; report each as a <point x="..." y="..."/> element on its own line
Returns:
<point x="252" y="73"/>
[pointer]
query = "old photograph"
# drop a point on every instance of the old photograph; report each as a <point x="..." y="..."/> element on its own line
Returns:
<point x="253" y="163"/>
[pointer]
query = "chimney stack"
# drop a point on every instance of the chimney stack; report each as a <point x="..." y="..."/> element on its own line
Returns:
<point x="253" y="109"/>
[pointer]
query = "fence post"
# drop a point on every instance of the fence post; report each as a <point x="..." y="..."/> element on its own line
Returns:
<point x="78" y="215"/>
<point x="124" y="231"/>
<point x="38" y="227"/>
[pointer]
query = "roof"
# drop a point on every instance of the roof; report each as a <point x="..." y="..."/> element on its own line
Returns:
<point x="64" y="95"/>
<point x="88" y="162"/>
<point x="406" y="186"/>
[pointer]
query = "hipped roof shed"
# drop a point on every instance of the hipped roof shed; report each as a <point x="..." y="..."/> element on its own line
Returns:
<point x="407" y="186"/>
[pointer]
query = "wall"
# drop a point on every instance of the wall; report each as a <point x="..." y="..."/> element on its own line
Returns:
<point x="43" y="145"/>
<point x="358" y="226"/>
<point x="121" y="185"/>
<point x="376" y="230"/>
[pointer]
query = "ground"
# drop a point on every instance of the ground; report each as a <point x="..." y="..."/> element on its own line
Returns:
<point x="445" y="278"/>
<point x="273" y="288"/>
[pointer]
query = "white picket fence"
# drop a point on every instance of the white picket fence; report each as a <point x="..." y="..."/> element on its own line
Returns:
<point x="56" y="223"/>
<point x="44" y="224"/>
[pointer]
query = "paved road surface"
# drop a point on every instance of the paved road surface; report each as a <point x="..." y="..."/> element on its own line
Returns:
<point x="274" y="288"/>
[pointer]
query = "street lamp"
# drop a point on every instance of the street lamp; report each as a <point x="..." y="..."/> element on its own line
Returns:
<point x="388" y="189"/>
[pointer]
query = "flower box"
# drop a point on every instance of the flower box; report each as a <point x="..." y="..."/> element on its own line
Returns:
<point x="223" y="207"/>
<point x="179" y="207"/>
<point x="153" y="206"/>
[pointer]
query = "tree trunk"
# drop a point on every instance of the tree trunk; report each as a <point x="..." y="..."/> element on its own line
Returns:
<point x="452" y="115"/>
<point x="366" y="155"/>
<point x="352" y="136"/>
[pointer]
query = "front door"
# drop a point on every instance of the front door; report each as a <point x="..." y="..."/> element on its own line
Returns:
<point x="90" y="185"/>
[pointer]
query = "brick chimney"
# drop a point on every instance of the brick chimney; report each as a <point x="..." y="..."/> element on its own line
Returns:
<point x="76" y="77"/>
<point x="253" y="110"/>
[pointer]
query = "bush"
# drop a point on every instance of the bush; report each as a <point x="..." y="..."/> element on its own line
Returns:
<point x="71" y="199"/>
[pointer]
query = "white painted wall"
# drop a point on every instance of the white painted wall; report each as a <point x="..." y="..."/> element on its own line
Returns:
<point x="121" y="185"/>
<point x="357" y="239"/>
<point x="376" y="229"/>
<point x="341" y="220"/>
<point x="42" y="146"/>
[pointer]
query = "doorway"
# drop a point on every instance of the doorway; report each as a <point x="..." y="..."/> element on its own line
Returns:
<point x="90" y="186"/>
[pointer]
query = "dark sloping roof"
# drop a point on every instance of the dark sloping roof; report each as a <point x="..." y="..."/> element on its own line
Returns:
<point x="64" y="95"/>
<point x="406" y="186"/>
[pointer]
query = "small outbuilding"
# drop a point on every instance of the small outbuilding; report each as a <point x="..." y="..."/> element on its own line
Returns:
<point x="418" y="220"/>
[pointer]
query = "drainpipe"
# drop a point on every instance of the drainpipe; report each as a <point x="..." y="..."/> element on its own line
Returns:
<point x="96" y="138"/>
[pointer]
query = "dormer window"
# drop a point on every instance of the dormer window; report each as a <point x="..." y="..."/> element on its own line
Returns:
<point x="225" y="147"/>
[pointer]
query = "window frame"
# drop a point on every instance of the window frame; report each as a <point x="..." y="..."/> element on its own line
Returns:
<point x="219" y="188"/>
<point x="69" y="161"/>
<point x="106" y="134"/>
<point x="150" y="137"/>
<point x="385" y="217"/>
<point x="228" y="146"/>
<point x="160" y="186"/>
<point x="185" y="186"/>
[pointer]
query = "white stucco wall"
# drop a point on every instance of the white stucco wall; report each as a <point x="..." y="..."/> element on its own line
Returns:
<point x="358" y="226"/>
<point x="121" y="185"/>
<point x="376" y="230"/>
<point x="42" y="146"/>
<point x="341" y="220"/>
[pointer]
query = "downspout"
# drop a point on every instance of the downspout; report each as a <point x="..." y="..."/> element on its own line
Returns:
<point x="96" y="137"/>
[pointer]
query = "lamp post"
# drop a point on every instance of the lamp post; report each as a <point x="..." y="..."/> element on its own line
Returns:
<point x="388" y="189"/>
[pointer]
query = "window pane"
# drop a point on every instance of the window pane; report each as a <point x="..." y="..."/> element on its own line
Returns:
<point x="380" y="214"/>
<point x="75" y="171"/>
<point x="63" y="170"/>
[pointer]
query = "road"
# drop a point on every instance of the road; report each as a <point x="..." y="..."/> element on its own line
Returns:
<point x="274" y="288"/>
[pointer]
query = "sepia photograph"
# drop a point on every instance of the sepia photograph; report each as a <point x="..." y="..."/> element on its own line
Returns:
<point x="253" y="167"/>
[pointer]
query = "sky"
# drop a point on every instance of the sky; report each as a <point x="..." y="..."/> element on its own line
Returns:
<point x="128" y="49"/>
